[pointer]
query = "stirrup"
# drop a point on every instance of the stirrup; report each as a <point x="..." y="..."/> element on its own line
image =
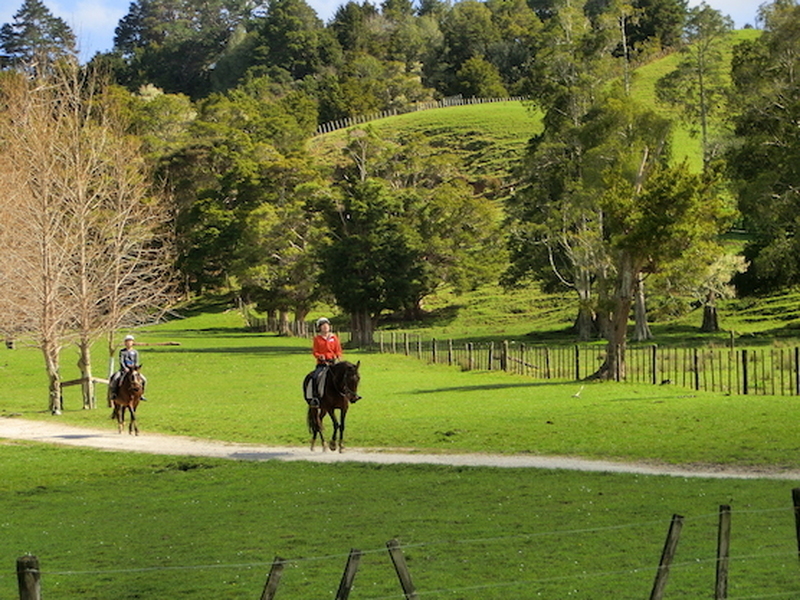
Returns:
<point x="314" y="403"/>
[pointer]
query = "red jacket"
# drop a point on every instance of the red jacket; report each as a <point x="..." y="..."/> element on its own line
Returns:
<point x="327" y="348"/>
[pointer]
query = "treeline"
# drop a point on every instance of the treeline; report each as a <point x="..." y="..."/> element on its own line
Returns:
<point x="222" y="97"/>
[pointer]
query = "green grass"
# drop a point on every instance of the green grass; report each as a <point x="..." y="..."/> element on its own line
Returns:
<point x="490" y="138"/>
<point x="113" y="525"/>
<point x="223" y="382"/>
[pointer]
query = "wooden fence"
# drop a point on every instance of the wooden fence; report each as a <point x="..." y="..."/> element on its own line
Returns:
<point x="737" y="371"/>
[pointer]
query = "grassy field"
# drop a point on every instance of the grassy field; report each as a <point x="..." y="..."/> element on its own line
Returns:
<point x="110" y="525"/>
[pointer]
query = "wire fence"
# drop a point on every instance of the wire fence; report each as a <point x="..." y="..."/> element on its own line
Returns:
<point x="558" y="562"/>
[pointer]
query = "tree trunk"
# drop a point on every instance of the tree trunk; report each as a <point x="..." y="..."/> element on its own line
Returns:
<point x="363" y="329"/>
<point x="613" y="367"/>
<point x="85" y="366"/>
<point x="50" y="351"/>
<point x="710" y="320"/>
<point x="283" y="325"/>
<point x="641" y="331"/>
<point x="585" y="325"/>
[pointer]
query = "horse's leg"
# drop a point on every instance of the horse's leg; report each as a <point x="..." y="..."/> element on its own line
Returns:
<point x="315" y="424"/>
<point x="133" y="428"/>
<point x="120" y="418"/>
<point x="336" y="428"/>
<point x="341" y="429"/>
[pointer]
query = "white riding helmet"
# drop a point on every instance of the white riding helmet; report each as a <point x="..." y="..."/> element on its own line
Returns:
<point x="322" y="320"/>
<point x="129" y="337"/>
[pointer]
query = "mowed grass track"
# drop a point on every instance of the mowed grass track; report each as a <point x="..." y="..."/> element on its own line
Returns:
<point x="111" y="525"/>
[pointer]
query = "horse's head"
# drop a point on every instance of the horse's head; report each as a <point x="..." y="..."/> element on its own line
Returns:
<point x="132" y="380"/>
<point x="349" y="378"/>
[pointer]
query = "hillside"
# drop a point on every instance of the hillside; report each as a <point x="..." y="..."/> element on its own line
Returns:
<point x="492" y="137"/>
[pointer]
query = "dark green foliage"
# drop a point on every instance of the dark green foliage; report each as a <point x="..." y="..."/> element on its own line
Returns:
<point x="174" y="44"/>
<point x="35" y="37"/>
<point x="765" y="165"/>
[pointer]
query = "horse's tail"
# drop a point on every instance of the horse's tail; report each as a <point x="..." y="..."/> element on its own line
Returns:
<point x="312" y="420"/>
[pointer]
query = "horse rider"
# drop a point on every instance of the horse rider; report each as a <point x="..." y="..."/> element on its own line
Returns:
<point x="128" y="358"/>
<point x="327" y="350"/>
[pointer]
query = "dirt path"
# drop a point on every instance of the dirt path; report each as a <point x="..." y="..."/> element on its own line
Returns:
<point x="151" y="443"/>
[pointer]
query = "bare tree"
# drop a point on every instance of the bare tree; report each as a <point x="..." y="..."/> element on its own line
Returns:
<point x="81" y="190"/>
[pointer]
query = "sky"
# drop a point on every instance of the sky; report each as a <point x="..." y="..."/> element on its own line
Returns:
<point x="94" y="21"/>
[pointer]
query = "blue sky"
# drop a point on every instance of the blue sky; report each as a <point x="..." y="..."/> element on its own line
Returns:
<point x="94" y="21"/>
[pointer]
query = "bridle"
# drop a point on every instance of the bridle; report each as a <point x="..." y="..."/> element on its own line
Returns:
<point x="342" y="387"/>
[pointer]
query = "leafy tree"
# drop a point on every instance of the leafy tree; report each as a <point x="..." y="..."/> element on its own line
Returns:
<point x="469" y="32"/>
<point x="35" y="37"/>
<point x="403" y="222"/>
<point x="660" y="23"/>
<point x="698" y="86"/>
<point x="230" y="167"/>
<point x="764" y="163"/>
<point x="174" y="44"/>
<point x="478" y="78"/>
<point x="292" y="38"/>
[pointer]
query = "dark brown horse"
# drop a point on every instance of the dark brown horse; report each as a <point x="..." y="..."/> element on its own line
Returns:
<point x="129" y="393"/>
<point x="341" y="389"/>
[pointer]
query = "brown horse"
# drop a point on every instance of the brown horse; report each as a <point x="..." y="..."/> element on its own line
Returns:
<point x="129" y="393"/>
<point x="341" y="389"/>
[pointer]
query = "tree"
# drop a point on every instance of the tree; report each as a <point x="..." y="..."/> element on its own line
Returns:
<point x="292" y="38"/>
<point x="478" y="78"/>
<point x="763" y="163"/>
<point x="402" y="223"/>
<point x="174" y="44"/>
<point x="87" y="253"/>
<point x="36" y="38"/>
<point x="698" y="86"/>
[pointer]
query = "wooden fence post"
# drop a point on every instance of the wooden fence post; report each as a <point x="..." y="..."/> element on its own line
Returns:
<point x="654" y="361"/>
<point x="402" y="569"/>
<point x="723" y="552"/>
<point x="670" y="546"/>
<point x="796" y="500"/>
<point x="274" y="578"/>
<point x="490" y="366"/>
<point x="349" y="575"/>
<point x="577" y="363"/>
<point x="504" y="357"/>
<point x="28" y="578"/>
<point x="744" y="371"/>
<point x="470" y="357"/>
<point x="797" y="371"/>
<point x="433" y="350"/>
<point x="696" y="364"/>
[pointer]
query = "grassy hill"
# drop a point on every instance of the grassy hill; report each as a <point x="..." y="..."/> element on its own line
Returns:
<point x="491" y="138"/>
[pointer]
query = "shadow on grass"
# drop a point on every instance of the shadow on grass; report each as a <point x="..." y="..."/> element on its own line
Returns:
<point x="232" y="350"/>
<point x="493" y="386"/>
